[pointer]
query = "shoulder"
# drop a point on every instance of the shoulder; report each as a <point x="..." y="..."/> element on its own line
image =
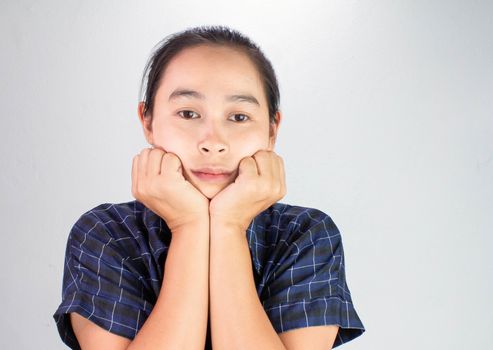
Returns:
<point x="287" y="238"/>
<point x="291" y="222"/>
<point x="109" y="277"/>
<point x="304" y="282"/>
<point x="118" y="225"/>
<point x="114" y="212"/>
<point x="107" y="216"/>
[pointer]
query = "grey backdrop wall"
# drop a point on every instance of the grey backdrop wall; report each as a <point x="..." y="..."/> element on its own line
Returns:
<point x="387" y="127"/>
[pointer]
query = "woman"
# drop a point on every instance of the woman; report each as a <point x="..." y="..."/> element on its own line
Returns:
<point x="206" y="255"/>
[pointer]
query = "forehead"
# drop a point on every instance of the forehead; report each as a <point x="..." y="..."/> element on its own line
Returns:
<point x="215" y="71"/>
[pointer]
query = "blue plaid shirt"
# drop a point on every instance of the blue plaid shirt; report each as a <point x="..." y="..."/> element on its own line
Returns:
<point x="115" y="256"/>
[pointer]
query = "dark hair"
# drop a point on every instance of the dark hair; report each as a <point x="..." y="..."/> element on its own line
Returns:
<point x="215" y="35"/>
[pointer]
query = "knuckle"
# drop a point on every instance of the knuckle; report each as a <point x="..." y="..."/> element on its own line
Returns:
<point x="140" y="189"/>
<point x="278" y="190"/>
<point x="157" y="151"/>
<point x="248" y="160"/>
<point x="168" y="156"/>
<point x="283" y="190"/>
<point x="261" y="154"/>
<point x="136" y="194"/>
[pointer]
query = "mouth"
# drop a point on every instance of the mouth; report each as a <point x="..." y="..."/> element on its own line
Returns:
<point x="210" y="177"/>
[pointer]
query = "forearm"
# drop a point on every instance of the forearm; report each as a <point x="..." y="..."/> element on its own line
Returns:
<point x="238" y="320"/>
<point x="179" y="317"/>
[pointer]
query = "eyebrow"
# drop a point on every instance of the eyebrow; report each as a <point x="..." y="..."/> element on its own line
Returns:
<point x="231" y="98"/>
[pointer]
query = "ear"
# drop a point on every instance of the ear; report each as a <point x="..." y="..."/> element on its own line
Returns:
<point x="273" y="129"/>
<point x="146" y="121"/>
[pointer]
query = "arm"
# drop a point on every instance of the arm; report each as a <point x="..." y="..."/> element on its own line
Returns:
<point x="179" y="317"/>
<point x="238" y="320"/>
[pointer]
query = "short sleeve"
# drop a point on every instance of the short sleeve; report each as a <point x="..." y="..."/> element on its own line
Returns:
<point x="308" y="285"/>
<point x="99" y="282"/>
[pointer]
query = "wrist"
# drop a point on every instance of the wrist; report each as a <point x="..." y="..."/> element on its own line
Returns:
<point x="193" y="226"/>
<point x="219" y="225"/>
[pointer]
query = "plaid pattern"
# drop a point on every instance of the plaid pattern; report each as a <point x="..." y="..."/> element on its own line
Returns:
<point x="115" y="257"/>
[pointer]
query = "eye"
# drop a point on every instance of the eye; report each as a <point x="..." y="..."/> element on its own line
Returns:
<point x="245" y="117"/>
<point x="186" y="114"/>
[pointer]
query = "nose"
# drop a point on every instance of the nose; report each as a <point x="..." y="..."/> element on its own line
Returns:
<point x="212" y="141"/>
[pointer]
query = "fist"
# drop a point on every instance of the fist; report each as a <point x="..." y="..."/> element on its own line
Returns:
<point x="260" y="183"/>
<point x="158" y="183"/>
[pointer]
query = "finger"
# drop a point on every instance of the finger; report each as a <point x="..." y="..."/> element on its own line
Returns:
<point x="283" y="175"/>
<point x="170" y="164"/>
<point x="143" y="159"/>
<point x="264" y="163"/>
<point x="248" y="167"/>
<point x="154" y="162"/>
<point x="135" y="164"/>
<point x="276" y="172"/>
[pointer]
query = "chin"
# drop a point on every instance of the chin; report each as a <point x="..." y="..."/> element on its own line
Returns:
<point x="210" y="192"/>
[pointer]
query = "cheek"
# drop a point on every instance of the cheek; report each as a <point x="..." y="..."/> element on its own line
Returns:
<point x="247" y="151"/>
<point x="248" y="146"/>
<point x="171" y="142"/>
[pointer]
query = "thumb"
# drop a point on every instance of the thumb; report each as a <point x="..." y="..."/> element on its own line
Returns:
<point x="248" y="167"/>
<point x="171" y="164"/>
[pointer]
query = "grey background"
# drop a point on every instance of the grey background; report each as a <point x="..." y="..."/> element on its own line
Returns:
<point x="388" y="127"/>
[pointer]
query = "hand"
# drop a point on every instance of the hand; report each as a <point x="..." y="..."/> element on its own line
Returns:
<point x="259" y="184"/>
<point x="158" y="182"/>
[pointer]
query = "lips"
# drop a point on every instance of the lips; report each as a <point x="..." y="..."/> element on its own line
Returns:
<point x="212" y="174"/>
<point x="213" y="171"/>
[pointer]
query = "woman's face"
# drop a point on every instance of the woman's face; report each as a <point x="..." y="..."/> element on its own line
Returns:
<point x="211" y="111"/>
